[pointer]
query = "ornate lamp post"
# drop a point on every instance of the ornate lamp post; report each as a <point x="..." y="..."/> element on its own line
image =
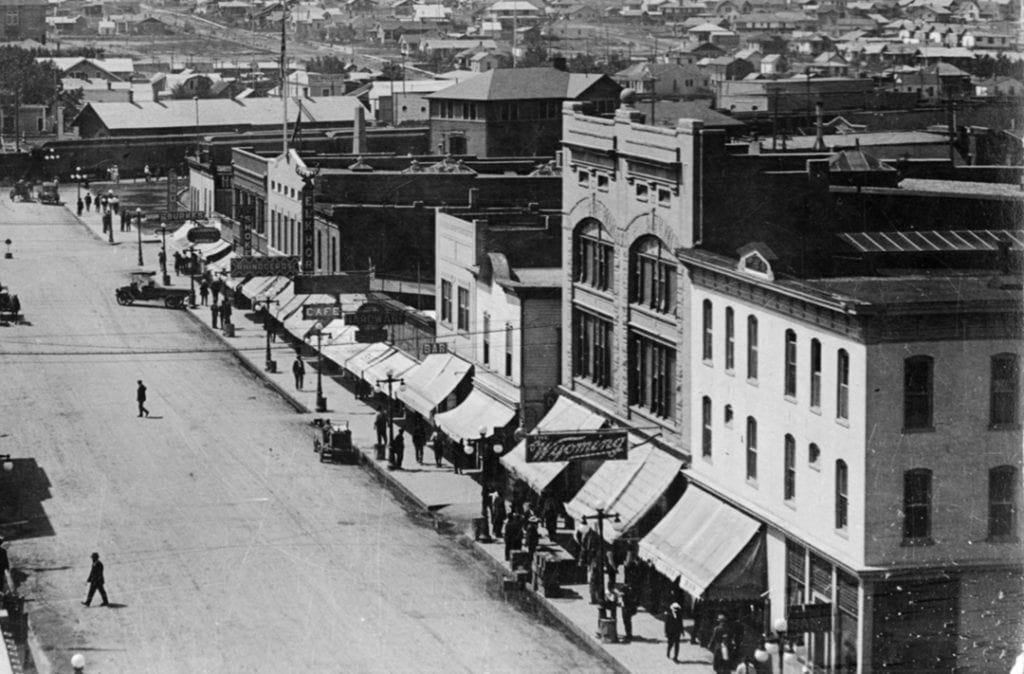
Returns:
<point x="191" y="276"/>
<point x="263" y="304"/>
<point x="391" y="380"/>
<point x="600" y="516"/>
<point x="138" y="227"/>
<point x="163" y="242"/>
<point x="777" y="644"/>
<point x="321" y="401"/>
<point x="51" y="158"/>
<point x="79" y="178"/>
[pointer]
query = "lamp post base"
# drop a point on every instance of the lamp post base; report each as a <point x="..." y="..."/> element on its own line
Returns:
<point x="8" y="256"/>
<point x="167" y="279"/>
<point x="271" y="365"/>
<point x="321" y="403"/>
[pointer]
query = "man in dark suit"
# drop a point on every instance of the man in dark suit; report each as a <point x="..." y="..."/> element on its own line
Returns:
<point x="4" y="566"/>
<point x="95" y="581"/>
<point x="140" y="397"/>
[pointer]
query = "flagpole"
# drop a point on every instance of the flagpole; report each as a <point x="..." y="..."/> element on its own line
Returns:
<point x="284" y="81"/>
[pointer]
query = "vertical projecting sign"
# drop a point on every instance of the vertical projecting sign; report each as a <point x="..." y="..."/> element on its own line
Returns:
<point x="307" y="225"/>
<point x="245" y="219"/>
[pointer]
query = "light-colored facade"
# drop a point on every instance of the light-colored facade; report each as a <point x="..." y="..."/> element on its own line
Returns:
<point x="284" y="212"/>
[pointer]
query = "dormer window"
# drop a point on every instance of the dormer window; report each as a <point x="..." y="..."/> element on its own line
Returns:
<point x="756" y="259"/>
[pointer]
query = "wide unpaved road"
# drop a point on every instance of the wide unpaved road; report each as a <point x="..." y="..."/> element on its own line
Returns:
<point x="228" y="547"/>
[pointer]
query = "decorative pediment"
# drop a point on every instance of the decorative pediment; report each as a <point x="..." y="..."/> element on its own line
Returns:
<point x="756" y="259"/>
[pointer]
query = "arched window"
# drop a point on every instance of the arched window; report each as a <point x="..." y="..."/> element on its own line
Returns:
<point x="705" y="441"/>
<point x="815" y="373"/>
<point x="842" y="492"/>
<point x="751" y="347"/>
<point x="652" y="275"/>
<point x="593" y="254"/>
<point x="917" y="392"/>
<point x="917" y="504"/>
<point x="1002" y="505"/>
<point x="730" y="338"/>
<point x="790" y="373"/>
<point x="842" y="385"/>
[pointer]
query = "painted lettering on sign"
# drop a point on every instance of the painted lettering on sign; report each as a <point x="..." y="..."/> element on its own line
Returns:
<point x="809" y="618"/>
<point x="277" y="265"/>
<point x="311" y="311"/>
<point x="570" y="446"/>
<point x="432" y="348"/>
<point x="308" y="227"/>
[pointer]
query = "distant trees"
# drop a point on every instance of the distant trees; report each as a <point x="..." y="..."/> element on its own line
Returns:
<point x="25" y="79"/>
<point x="326" y="64"/>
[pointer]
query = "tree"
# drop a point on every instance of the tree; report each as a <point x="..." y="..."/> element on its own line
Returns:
<point x="326" y="65"/>
<point x="392" y="71"/>
<point x="28" y="81"/>
<point x="535" y="52"/>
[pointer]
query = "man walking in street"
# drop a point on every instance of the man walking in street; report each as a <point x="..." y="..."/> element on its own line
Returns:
<point x="214" y="313"/>
<point x="380" y="424"/>
<point x="299" y="370"/>
<point x="204" y="292"/>
<point x="88" y="200"/>
<point x="96" y="581"/>
<point x="140" y="397"/>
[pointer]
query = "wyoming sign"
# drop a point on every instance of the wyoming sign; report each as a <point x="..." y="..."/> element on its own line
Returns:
<point x="575" y="445"/>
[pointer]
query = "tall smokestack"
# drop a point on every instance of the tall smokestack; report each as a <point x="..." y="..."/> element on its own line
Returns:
<point x="359" y="131"/>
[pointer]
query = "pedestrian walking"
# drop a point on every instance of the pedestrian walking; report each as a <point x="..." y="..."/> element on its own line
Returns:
<point x="225" y="313"/>
<point x="108" y="222"/>
<point x="398" y="450"/>
<point x="161" y="258"/>
<point x="96" y="580"/>
<point x="102" y="200"/>
<point x="214" y="314"/>
<point x="80" y="206"/>
<point x="115" y="174"/>
<point x="298" y="371"/>
<point x="177" y="264"/>
<point x="486" y="508"/>
<point x="513" y="535"/>
<point x="5" y="566"/>
<point x="88" y="200"/>
<point x="437" y="444"/>
<point x="627" y="604"/>
<point x="722" y="646"/>
<point x="215" y="289"/>
<point x="419" y="439"/>
<point x="552" y="508"/>
<point x="498" y="513"/>
<point x="140" y="397"/>
<point x="115" y="204"/>
<point x="204" y="292"/>
<point x="673" y="630"/>
<point x="532" y="534"/>
<point x="380" y="424"/>
<point x="458" y="455"/>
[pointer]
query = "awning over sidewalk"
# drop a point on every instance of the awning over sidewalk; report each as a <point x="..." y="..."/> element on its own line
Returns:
<point x="628" y="488"/>
<point x="564" y="415"/>
<point x="433" y="380"/>
<point x="396" y="362"/>
<point x="341" y="351"/>
<point x="477" y="411"/>
<point x="358" y="363"/>
<point x="211" y="252"/>
<point x="699" y="538"/>
<point x="258" y="286"/>
<point x="224" y="265"/>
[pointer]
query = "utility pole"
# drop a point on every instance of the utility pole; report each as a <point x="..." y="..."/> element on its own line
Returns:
<point x="284" y="79"/>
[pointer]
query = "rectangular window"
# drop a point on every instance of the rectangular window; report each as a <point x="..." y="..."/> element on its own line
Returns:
<point x="842" y="492"/>
<point x="486" y="339"/>
<point x="815" y="374"/>
<point x="796" y="582"/>
<point x="592" y="356"/>
<point x="641" y="191"/>
<point x="593" y="263"/>
<point x="12" y="16"/>
<point x="508" y="350"/>
<point x="602" y="182"/>
<point x="654" y="281"/>
<point x="708" y="335"/>
<point x="1002" y="510"/>
<point x="664" y="197"/>
<point x="446" y="302"/>
<point x="917" y="504"/>
<point x="1003" y="407"/>
<point x="705" y="442"/>
<point x="789" y="469"/>
<point x="790" y="383"/>
<point x="584" y="178"/>
<point x="842" y="385"/>
<point x="917" y="392"/>
<point x="751" y="448"/>
<point x="651" y="381"/>
<point x="730" y="338"/>
<point x="463" y="317"/>
<point x="751" y="348"/>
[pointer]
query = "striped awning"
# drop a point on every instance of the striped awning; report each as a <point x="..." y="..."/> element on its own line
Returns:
<point x="933" y="240"/>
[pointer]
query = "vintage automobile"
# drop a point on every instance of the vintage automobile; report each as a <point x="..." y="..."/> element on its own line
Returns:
<point x="48" y="193"/>
<point x="22" y="191"/>
<point x="10" y="305"/>
<point x="143" y="288"/>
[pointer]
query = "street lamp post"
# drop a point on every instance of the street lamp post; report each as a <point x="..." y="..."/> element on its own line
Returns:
<point x="191" y="276"/>
<point x="600" y="516"/>
<point x="163" y="242"/>
<point x="777" y="644"/>
<point x="270" y="364"/>
<point x="321" y="401"/>
<point x="79" y="178"/>
<point x="138" y="227"/>
<point x="391" y="380"/>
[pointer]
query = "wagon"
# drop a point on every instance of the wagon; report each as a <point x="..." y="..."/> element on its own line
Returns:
<point x="10" y="306"/>
<point x="334" y="443"/>
<point x="143" y="288"/>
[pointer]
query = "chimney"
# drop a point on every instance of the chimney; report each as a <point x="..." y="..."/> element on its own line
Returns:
<point x="359" y="130"/>
<point x="131" y="96"/>
<point x="559" y="63"/>
<point x="110" y="85"/>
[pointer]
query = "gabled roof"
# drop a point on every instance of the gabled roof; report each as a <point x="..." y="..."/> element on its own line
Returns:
<point x="647" y="71"/>
<point x="506" y="84"/>
<point x="667" y="112"/>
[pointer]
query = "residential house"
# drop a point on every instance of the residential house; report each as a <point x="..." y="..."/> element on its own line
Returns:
<point x="23" y="19"/>
<point x="774" y="65"/>
<point x="514" y="13"/>
<point x="714" y="34"/>
<point x="999" y="86"/>
<point x="431" y="14"/>
<point x="663" y="80"/>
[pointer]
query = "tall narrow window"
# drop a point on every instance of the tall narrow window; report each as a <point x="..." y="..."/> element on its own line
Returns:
<point x="842" y="385"/>
<point x="1002" y="511"/>
<point x="486" y="338"/>
<point x="751" y="347"/>
<point x="508" y="350"/>
<point x="463" y="317"/>
<point x="917" y="392"/>
<point x="842" y="491"/>
<point x="790" y="383"/>
<point x="751" y="448"/>
<point x="917" y="504"/>
<point x="592" y="355"/>
<point x="707" y="349"/>
<point x="789" y="468"/>
<point x="446" y="302"/>
<point x="653" y="275"/>
<point x="705" y="441"/>
<point x="815" y="373"/>
<point x="592" y="256"/>
<point x="730" y="338"/>
<point x="651" y="382"/>
<point x="1003" y="407"/>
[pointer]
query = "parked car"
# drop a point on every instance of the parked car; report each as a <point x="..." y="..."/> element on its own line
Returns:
<point x="143" y="288"/>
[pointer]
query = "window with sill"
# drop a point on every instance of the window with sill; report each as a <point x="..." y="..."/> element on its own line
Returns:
<point x="917" y="504"/>
<point x="1002" y="500"/>
<point x="789" y="388"/>
<point x="708" y="341"/>
<point x="841" y="496"/>
<point x="730" y="338"/>
<point x="752" y="347"/>
<point x="1003" y="394"/>
<point x="651" y="376"/>
<point x="641" y="191"/>
<point x="652" y="275"/>
<point x="751" y="448"/>
<point x="815" y="373"/>
<point x="463" y="316"/>
<point x="446" y="302"/>
<point x="584" y="178"/>
<point x="705" y="441"/>
<point x="843" y="385"/>
<point x="602" y="181"/>
<point x="486" y="339"/>
<point x="917" y="393"/>
<point x="593" y="255"/>
<point x="813" y="455"/>
<point x="508" y="349"/>
<point x="664" y="197"/>
<point x="592" y="355"/>
<point x="789" y="468"/>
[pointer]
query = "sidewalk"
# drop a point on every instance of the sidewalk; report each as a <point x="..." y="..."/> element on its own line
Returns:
<point x="452" y="500"/>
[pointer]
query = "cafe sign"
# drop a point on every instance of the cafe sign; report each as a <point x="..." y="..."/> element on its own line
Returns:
<point x="576" y="445"/>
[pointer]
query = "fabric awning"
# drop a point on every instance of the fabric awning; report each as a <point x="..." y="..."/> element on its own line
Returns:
<point x="697" y="540"/>
<point x="564" y="415"/>
<point x="358" y="363"/>
<point x="396" y="362"/>
<point x="340" y="352"/>
<point x="211" y="252"/>
<point x="433" y="380"/>
<point x="627" y="488"/>
<point x="223" y="264"/>
<point x="477" y="411"/>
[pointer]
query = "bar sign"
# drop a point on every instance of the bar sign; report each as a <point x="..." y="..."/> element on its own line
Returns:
<point x="434" y="348"/>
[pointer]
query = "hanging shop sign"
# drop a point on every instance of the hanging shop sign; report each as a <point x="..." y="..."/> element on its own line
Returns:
<point x="349" y="283"/>
<point x="308" y="227"/>
<point x="203" y="235"/>
<point x="434" y="348"/>
<point x="318" y="311"/>
<point x="181" y="216"/>
<point x="576" y="445"/>
<point x="374" y="315"/>
<point x="277" y="265"/>
<point x="809" y="618"/>
<point x="244" y="213"/>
